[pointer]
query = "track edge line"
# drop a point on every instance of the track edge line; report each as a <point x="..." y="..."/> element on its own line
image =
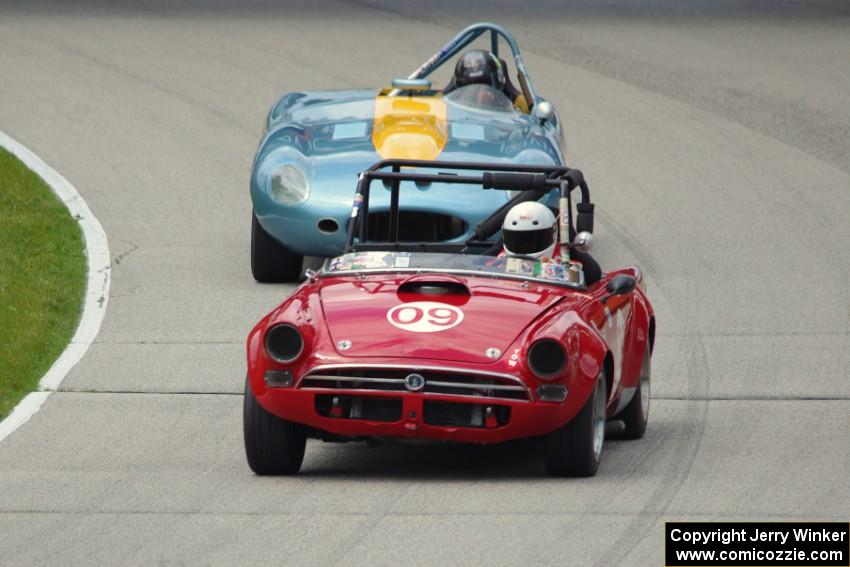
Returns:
<point x="96" y="294"/>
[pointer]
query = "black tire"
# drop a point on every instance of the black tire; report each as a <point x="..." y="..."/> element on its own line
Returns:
<point x="636" y="414"/>
<point x="272" y="262"/>
<point x="571" y="450"/>
<point x="273" y="445"/>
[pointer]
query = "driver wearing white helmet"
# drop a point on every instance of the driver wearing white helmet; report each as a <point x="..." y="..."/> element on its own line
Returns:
<point x="530" y="230"/>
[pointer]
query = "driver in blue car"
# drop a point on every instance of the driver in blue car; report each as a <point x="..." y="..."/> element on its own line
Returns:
<point x="530" y="230"/>
<point x="480" y="67"/>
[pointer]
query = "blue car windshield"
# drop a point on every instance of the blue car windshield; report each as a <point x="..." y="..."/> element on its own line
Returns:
<point x="465" y="264"/>
<point x="480" y="97"/>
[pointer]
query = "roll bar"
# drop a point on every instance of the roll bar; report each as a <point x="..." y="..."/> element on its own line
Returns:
<point x="469" y="35"/>
<point x="531" y="181"/>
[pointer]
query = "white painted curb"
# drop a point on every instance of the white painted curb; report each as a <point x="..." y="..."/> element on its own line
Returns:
<point x="97" y="285"/>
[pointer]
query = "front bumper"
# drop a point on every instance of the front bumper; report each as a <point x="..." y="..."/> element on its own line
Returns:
<point x="297" y="227"/>
<point x="416" y="415"/>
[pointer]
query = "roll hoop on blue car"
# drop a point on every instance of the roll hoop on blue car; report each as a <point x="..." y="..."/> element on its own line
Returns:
<point x="317" y="142"/>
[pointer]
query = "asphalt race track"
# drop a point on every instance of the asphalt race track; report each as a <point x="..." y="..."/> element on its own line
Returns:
<point x="716" y="140"/>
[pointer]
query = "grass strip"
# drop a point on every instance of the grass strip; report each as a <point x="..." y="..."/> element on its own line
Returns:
<point x="42" y="279"/>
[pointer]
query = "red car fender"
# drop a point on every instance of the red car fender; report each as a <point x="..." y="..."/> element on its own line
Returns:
<point x="301" y="309"/>
<point x="586" y="352"/>
<point x="588" y="363"/>
<point x="639" y="332"/>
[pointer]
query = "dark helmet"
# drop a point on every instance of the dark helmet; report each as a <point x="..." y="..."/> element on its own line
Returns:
<point x="479" y="67"/>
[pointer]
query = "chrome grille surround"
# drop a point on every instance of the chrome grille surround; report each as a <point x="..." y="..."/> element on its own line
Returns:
<point x="462" y="383"/>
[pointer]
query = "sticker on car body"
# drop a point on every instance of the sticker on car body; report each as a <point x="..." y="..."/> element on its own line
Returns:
<point x="349" y="130"/>
<point x="424" y="316"/>
<point x="465" y="131"/>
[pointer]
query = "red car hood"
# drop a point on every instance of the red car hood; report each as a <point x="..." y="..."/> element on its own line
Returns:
<point x="381" y="319"/>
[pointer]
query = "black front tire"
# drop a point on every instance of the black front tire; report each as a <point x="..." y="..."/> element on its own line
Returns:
<point x="273" y="445"/>
<point x="572" y="450"/>
<point x="636" y="415"/>
<point x="272" y="262"/>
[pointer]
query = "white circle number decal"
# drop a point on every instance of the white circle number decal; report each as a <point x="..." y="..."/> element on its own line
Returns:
<point x="424" y="316"/>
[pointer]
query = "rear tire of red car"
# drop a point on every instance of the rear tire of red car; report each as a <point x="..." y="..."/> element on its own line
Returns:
<point x="273" y="445"/>
<point x="272" y="262"/>
<point x="636" y="414"/>
<point x="576" y="448"/>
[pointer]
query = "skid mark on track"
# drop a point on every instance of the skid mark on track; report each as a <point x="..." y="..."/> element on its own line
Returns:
<point x="482" y="516"/>
<point x="157" y="85"/>
<point x="688" y="435"/>
<point x="645" y="258"/>
<point x="683" y="456"/>
<point x="348" y="546"/>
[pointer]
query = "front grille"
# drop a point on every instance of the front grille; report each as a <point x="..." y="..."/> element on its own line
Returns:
<point x="358" y="407"/>
<point x="455" y="414"/>
<point x="449" y="382"/>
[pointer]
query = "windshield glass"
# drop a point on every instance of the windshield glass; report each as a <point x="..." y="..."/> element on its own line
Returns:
<point x="422" y="262"/>
<point x="480" y="97"/>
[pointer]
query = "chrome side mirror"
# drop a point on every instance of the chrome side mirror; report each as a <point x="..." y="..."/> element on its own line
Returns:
<point x="544" y="110"/>
<point x="583" y="241"/>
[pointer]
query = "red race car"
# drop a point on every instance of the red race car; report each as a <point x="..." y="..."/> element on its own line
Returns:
<point x="453" y="341"/>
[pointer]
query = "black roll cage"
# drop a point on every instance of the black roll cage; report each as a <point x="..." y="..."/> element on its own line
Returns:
<point x="532" y="181"/>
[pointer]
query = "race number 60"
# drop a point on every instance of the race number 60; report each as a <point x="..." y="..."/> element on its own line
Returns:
<point x="424" y="316"/>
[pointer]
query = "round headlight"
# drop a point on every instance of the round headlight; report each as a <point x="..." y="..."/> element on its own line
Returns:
<point x="547" y="358"/>
<point x="284" y="343"/>
<point x="288" y="185"/>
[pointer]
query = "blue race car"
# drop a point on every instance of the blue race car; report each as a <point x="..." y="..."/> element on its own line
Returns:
<point x="317" y="142"/>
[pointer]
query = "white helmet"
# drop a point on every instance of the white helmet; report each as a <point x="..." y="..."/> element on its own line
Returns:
<point x="529" y="230"/>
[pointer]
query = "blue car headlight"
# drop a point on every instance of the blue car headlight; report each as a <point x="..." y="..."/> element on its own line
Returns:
<point x="288" y="185"/>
